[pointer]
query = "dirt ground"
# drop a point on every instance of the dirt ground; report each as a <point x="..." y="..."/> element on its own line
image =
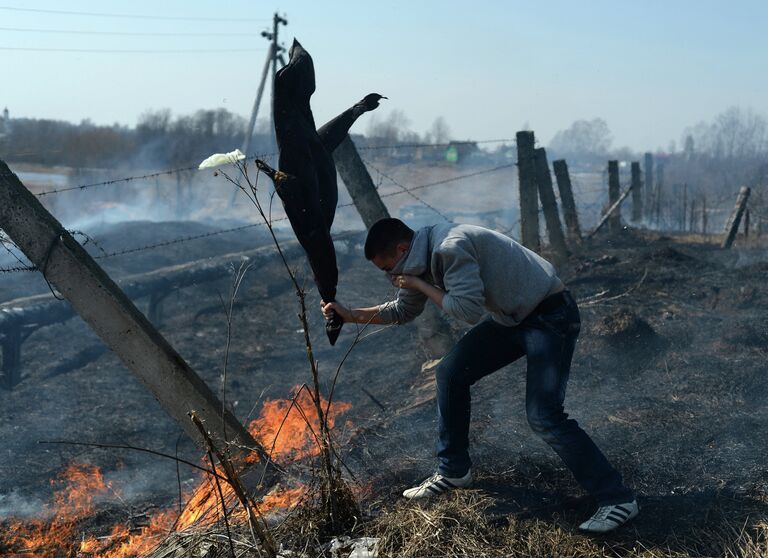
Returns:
<point x="669" y="377"/>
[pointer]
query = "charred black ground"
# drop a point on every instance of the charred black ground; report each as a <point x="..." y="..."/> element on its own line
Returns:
<point x="669" y="377"/>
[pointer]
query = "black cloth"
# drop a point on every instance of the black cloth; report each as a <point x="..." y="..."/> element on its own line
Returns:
<point x="307" y="182"/>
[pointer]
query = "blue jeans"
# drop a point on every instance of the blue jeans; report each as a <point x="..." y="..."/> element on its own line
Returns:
<point x="547" y="339"/>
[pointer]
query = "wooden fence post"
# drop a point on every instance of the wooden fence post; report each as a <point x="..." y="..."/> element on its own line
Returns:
<point x="549" y="204"/>
<point x="684" y="212"/>
<point x="704" y="215"/>
<point x="529" y="197"/>
<point x="567" y="200"/>
<point x="692" y="217"/>
<point x="659" y="191"/>
<point x="637" y="193"/>
<point x="125" y="330"/>
<point x="614" y="220"/>
<point x="732" y="226"/>
<point x="648" y="186"/>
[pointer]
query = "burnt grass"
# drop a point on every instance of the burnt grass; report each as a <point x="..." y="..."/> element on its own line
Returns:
<point x="669" y="378"/>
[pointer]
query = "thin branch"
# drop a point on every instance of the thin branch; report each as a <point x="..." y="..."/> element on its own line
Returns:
<point x="625" y="293"/>
<point x="134" y="448"/>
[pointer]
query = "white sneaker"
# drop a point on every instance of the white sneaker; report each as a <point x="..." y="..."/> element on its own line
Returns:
<point x="609" y="517"/>
<point x="437" y="484"/>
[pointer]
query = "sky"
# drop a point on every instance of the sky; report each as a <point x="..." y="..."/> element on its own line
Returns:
<point x="488" y="67"/>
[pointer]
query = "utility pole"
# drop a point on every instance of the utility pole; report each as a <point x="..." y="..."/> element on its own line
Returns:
<point x="273" y="56"/>
<point x="256" y="103"/>
<point x="276" y="55"/>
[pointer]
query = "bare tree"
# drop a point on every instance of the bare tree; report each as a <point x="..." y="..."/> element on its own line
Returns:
<point x="583" y="138"/>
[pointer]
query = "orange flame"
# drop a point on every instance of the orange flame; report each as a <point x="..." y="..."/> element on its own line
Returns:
<point x="282" y="424"/>
<point x="74" y="500"/>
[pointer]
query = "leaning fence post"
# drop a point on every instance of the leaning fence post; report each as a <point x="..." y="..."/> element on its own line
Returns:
<point x="111" y="314"/>
<point x="549" y="204"/>
<point x="637" y="193"/>
<point x="529" y="197"/>
<point x="433" y="329"/>
<point x="611" y="210"/>
<point x="746" y="224"/>
<point x="614" y="220"/>
<point x="359" y="183"/>
<point x="566" y="198"/>
<point x="732" y="226"/>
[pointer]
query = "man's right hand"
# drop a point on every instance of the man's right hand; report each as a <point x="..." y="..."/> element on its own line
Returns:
<point x="328" y="308"/>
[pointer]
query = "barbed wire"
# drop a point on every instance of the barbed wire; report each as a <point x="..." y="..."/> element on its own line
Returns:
<point x="443" y="144"/>
<point x="407" y="191"/>
<point x="194" y="167"/>
<point x="132" y="178"/>
<point x="183" y="239"/>
<point x="188" y="238"/>
<point x="452" y="179"/>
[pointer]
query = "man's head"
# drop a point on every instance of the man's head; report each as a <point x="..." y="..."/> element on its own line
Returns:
<point x="387" y="242"/>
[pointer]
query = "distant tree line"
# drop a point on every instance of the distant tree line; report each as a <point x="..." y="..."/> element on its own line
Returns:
<point x="163" y="140"/>
<point x="159" y="140"/>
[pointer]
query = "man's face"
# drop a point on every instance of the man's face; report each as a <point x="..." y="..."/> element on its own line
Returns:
<point x="387" y="262"/>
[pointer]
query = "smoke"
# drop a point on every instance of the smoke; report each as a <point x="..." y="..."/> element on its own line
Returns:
<point x="14" y="504"/>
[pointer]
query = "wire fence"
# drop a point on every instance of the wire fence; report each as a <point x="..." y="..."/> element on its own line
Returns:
<point x="403" y="190"/>
<point x="597" y="206"/>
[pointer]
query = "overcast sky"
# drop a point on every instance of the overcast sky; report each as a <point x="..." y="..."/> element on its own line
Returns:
<point x="648" y="68"/>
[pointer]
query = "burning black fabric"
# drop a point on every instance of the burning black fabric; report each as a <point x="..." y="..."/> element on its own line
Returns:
<point x="307" y="182"/>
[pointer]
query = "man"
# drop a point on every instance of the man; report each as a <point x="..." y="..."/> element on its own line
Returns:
<point x="518" y="306"/>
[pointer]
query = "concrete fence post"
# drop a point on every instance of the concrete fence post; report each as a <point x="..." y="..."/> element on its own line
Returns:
<point x="359" y="183"/>
<point x="114" y="318"/>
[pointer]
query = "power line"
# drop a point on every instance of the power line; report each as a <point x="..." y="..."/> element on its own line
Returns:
<point x="140" y="51"/>
<point x="124" y="33"/>
<point x="133" y="16"/>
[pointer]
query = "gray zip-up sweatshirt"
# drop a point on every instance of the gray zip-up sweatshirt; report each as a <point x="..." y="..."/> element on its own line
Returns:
<point x="482" y="272"/>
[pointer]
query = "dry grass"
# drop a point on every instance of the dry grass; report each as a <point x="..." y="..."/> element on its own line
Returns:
<point x="461" y="526"/>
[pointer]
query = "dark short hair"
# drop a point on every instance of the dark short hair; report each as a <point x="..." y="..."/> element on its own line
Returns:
<point x="384" y="236"/>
